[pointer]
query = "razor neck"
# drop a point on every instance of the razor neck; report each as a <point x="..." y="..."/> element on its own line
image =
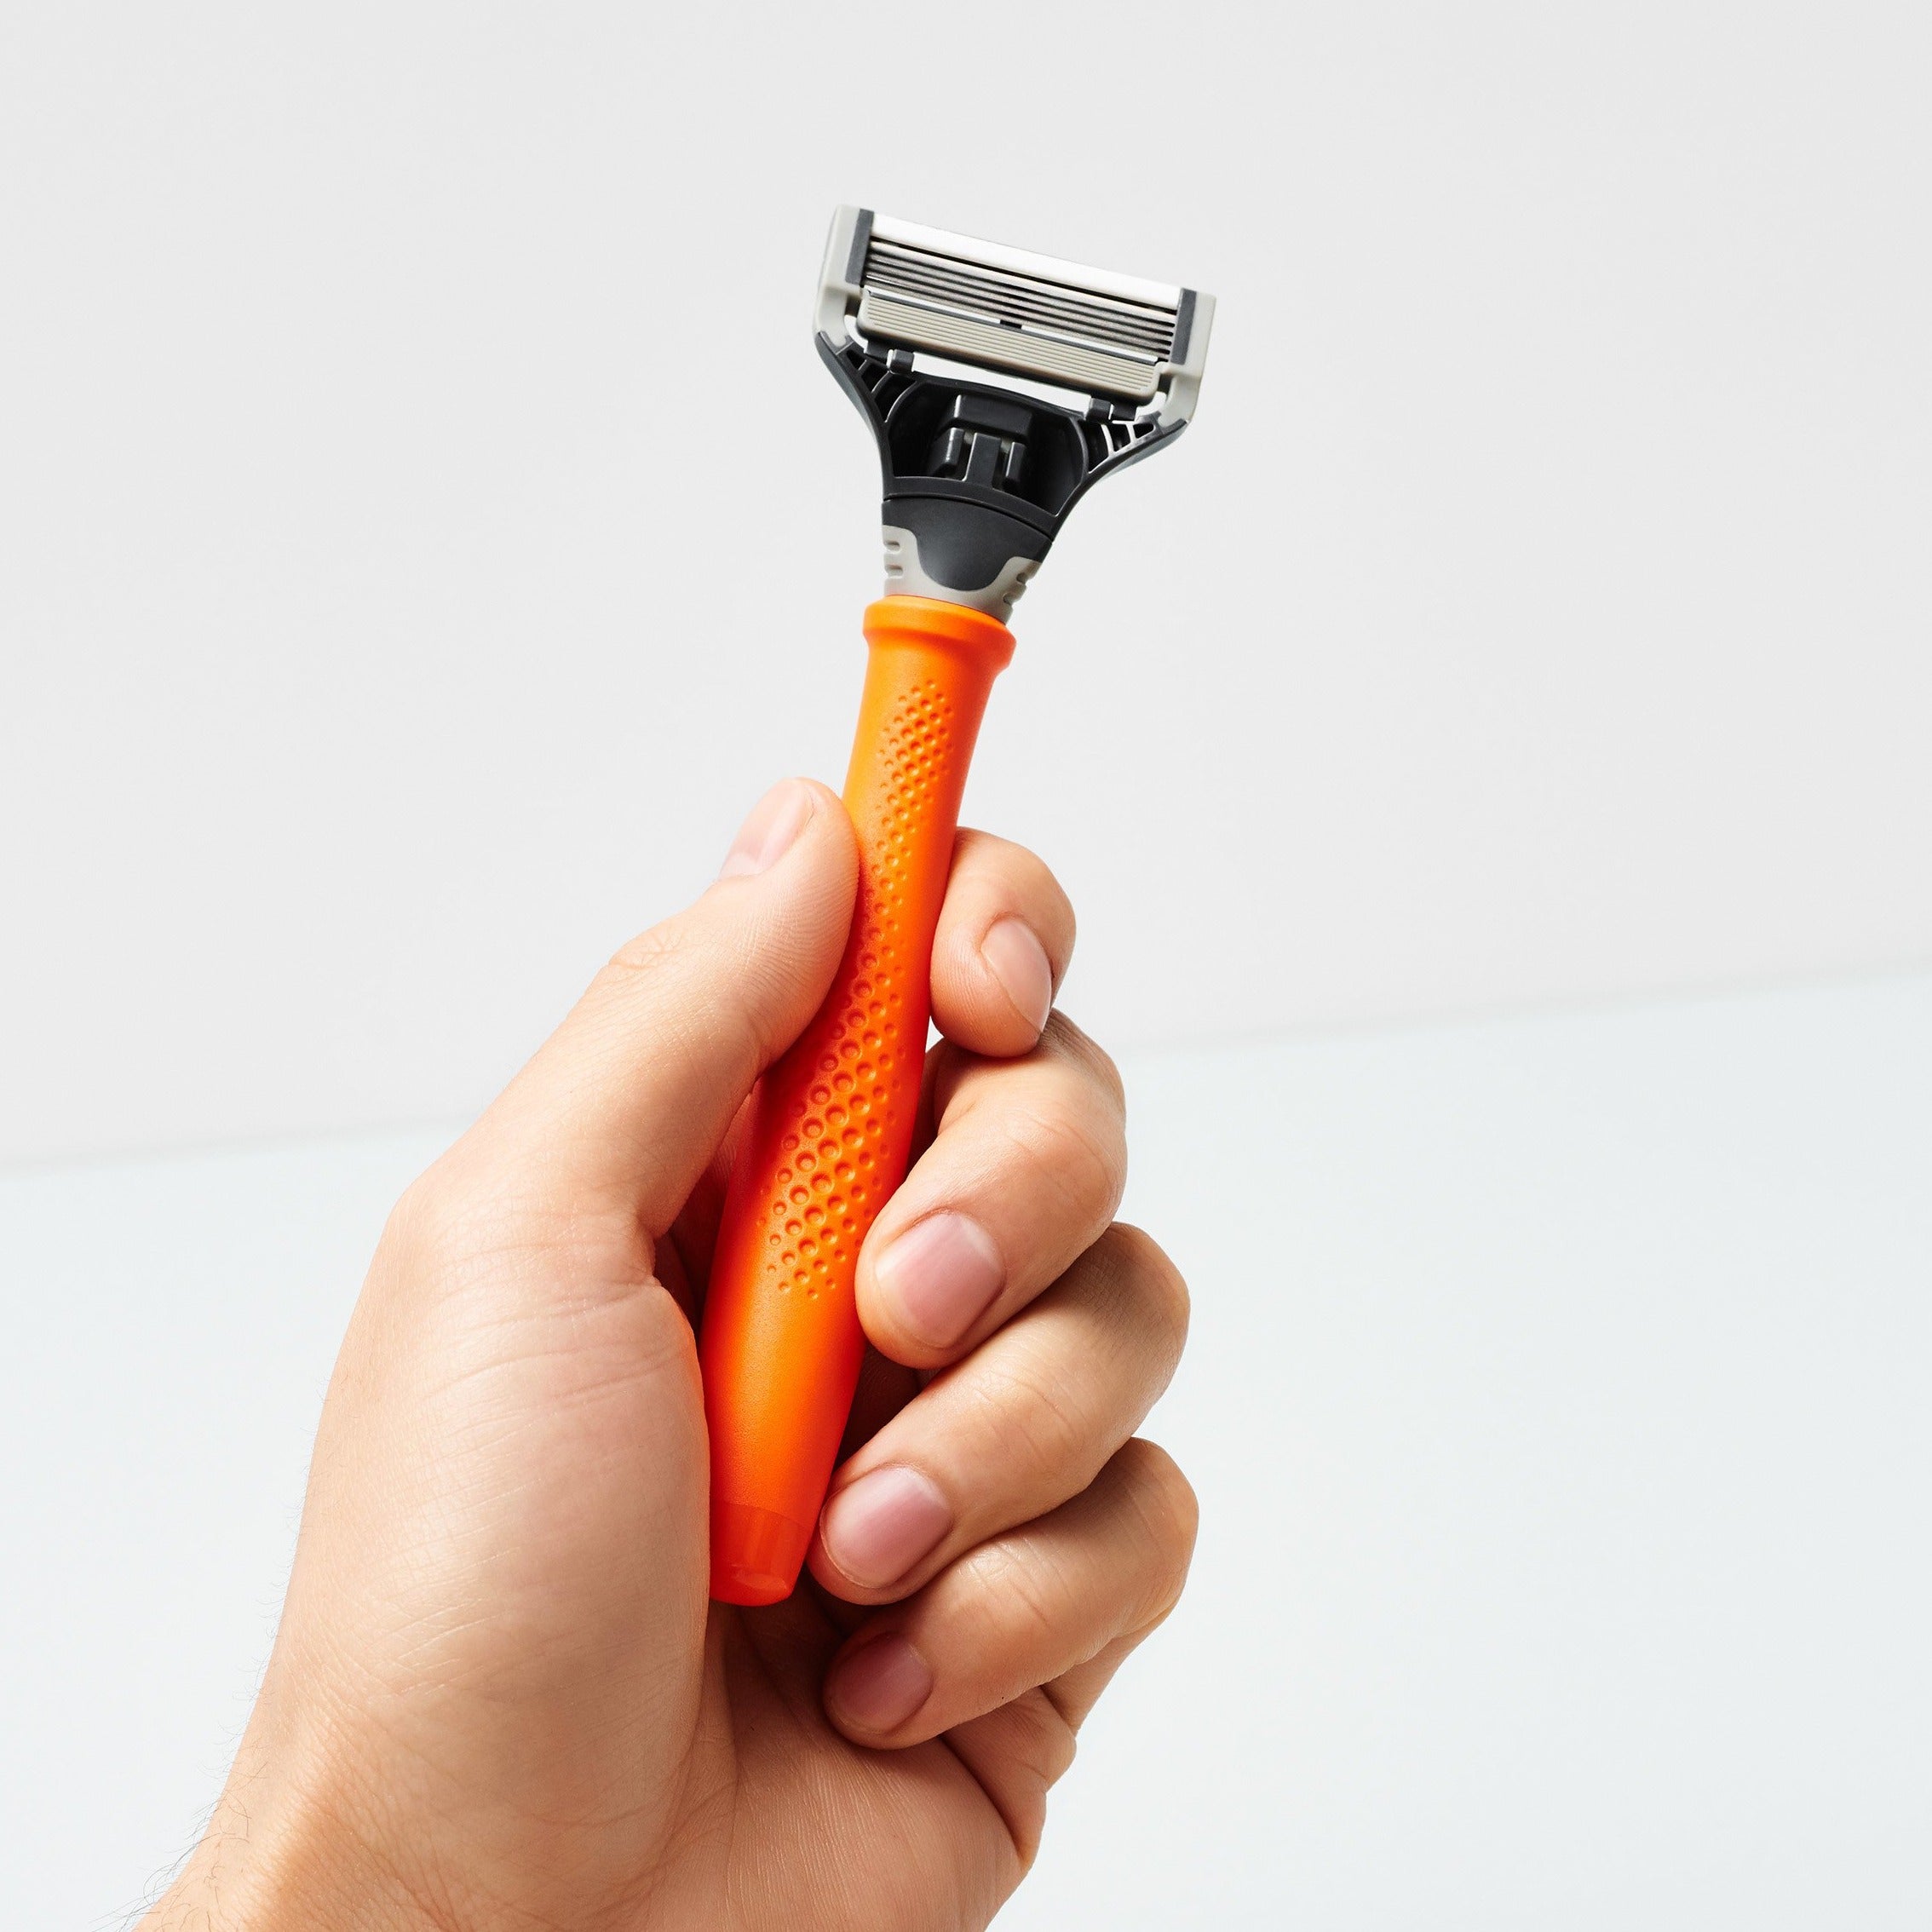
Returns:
<point x="977" y="480"/>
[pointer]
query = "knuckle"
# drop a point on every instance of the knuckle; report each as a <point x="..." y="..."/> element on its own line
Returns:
<point x="435" y="1215"/>
<point x="1156" y="1285"/>
<point x="648" y="952"/>
<point x="1167" y="1515"/>
<point x="1036" y="1748"/>
<point x="694" y="991"/>
<point x="1068" y="1042"/>
<point x="1082" y="1152"/>
<point x="470" y="1214"/>
<point x="438" y="1226"/>
<point x="1029" y="1590"/>
<point x="1023" y="866"/>
<point x="1035" y="1424"/>
<point x="1056" y="896"/>
<point x="948" y="1066"/>
<point x="1049" y="1743"/>
<point x="1044" y="898"/>
<point x="407" y="1230"/>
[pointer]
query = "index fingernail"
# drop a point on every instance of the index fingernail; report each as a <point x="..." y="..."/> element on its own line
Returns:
<point x="1018" y="962"/>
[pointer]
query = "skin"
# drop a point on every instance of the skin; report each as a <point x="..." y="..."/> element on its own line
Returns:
<point x="498" y="1696"/>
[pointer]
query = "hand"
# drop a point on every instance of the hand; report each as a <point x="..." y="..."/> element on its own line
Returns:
<point x="498" y="1696"/>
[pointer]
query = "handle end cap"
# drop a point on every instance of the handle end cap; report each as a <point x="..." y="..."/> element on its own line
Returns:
<point x="756" y="1554"/>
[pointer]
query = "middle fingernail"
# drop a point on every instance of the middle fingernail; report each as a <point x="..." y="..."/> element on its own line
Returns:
<point x="941" y="1274"/>
<point x="876" y="1528"/>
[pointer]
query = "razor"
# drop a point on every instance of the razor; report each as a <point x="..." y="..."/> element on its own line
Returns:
<point x="1000" y="386"/>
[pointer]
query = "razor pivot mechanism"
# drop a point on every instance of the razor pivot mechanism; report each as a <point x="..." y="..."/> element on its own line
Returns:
<point x="1000" y="386"/>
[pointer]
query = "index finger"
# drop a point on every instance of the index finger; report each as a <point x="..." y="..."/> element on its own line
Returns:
<point x="1004" y="937"/>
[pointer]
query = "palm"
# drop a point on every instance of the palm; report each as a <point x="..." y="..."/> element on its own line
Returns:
<point x="907" y="1838"/>
<point x="904" y="1838"/>
<point x="633" y="1752"/>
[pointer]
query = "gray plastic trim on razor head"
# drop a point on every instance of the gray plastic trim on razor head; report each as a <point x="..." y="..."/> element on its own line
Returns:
<point x="905" y="577"/>
<point x="1183" y="327"/>
<point x="861" y="240"/>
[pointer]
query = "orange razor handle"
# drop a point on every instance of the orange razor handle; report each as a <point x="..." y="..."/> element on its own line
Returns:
<point x="831" y="1125"/>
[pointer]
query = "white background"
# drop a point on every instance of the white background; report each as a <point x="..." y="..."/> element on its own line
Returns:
<point x="425" y="527"/>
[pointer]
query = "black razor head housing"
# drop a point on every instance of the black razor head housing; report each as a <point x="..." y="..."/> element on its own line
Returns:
<point x="1000" y="386"/>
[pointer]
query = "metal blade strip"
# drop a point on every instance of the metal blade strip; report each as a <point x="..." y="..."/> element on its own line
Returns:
<point x="946" y="332"/>
<point x="999" y="296"/>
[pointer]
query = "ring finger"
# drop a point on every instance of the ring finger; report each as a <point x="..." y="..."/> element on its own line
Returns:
<point x="1022" y="1609"/>
<point x="1024" y="1422"/>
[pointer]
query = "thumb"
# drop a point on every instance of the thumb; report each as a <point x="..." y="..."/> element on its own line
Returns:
<point x="630" y="1098"/>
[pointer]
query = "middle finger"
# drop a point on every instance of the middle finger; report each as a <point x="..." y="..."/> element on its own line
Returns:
<point x="1025" y="1168"/>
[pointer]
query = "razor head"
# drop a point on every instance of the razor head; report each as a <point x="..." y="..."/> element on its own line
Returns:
<point x="1086" y="330"/>
<point x="1001" y="385"/>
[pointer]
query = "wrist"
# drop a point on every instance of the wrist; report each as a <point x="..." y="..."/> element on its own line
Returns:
<point x="220" y="1891"/>
<point x="270" y="1862"/>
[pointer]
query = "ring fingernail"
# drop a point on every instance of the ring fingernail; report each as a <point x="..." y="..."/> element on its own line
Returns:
<point x="876" y="1528"/>
<point x="943" y="1272"/>
<point x="877" y="1687"/>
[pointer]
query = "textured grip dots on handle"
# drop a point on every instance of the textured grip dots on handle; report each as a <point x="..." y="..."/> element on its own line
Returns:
<point x="830" y="1126"/>
<point x="836" y="1172"/>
